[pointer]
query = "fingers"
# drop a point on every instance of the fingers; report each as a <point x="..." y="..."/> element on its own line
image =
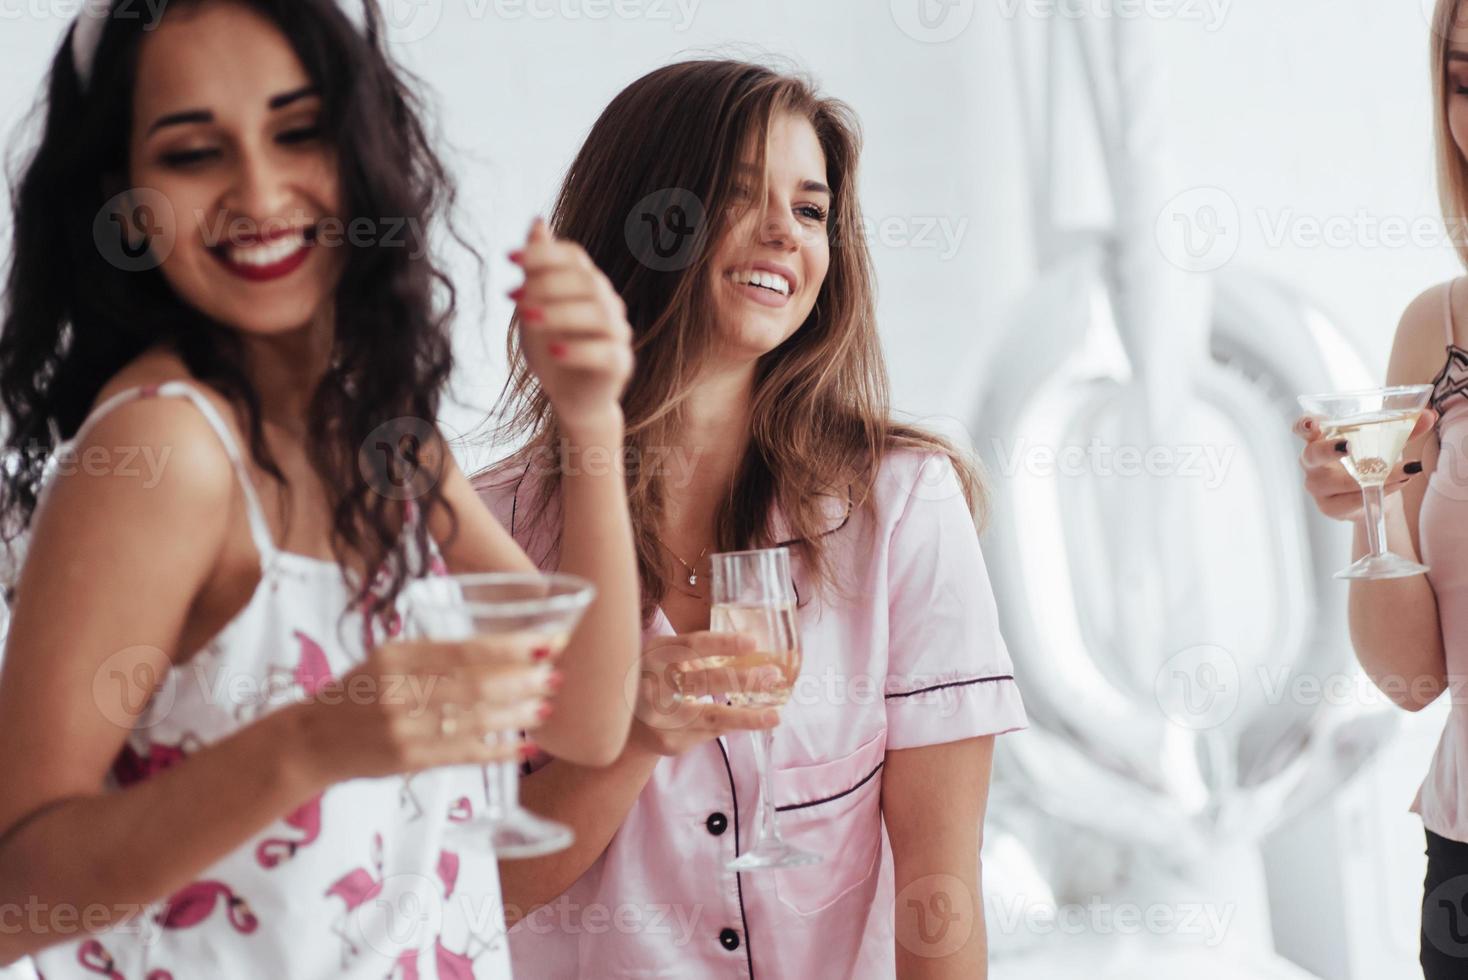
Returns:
<point x="439" y="656"/>
<point x="1307" y="427"/>
<point x="591" y="355"/>
<point x="720" y="718"/>
<point x="721" y="681"/>
<point x="589" y="318"/>
<point x="1425" y="422"/>
<point x="497" y="688"/>
<point x="664" y="651"/>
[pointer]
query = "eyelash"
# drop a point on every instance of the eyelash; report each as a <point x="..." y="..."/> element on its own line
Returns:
<point x="185" y="159"/>
<point x="814" y="212"/>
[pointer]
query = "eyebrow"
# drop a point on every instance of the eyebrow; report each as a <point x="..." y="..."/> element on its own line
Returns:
<point x="195" y="116"/>
<point x="809" y="186"/>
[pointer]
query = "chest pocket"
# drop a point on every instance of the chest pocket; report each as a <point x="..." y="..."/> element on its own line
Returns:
<point x="832" y="809"/>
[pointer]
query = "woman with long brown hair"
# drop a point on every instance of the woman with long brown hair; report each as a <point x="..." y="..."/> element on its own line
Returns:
<point x="720" y="199"/>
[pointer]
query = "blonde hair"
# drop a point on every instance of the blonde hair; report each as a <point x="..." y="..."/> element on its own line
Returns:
<point x="1452" y="167"/>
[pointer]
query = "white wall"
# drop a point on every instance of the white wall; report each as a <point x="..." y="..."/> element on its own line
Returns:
<point x="1311" y="110"/>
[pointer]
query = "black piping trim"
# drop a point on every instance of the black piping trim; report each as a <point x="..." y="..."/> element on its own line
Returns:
<point x="845" y="792"/>
<point x="738" y="881"/>
<point x="939" y="687"/>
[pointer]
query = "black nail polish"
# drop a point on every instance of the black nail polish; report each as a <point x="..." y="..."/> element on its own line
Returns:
<point x="1340" y="447"/>
<point x="1413" y="467"/>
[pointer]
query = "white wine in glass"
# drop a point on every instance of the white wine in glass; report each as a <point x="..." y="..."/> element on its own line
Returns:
<point x="778" y="645"/>
<point x="753" y="593"/>
<point x="538" y="611"/>
<point x="1375" y="426"/>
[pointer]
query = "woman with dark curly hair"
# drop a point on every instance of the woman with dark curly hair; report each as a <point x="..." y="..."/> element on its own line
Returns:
<point x="217" y="748"/>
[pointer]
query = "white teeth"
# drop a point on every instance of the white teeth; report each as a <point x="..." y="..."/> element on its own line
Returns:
<point x="260" y="256"/>
<point x="767" y="280"/>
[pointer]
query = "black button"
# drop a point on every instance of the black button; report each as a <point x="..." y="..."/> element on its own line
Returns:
<point x="729" y="939"/>
<point x="717" y="823"/>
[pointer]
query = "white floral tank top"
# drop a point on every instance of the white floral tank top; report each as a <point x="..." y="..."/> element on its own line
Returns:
<point x="356" y="882"/>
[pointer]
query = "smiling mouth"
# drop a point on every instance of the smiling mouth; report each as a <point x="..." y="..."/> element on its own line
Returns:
<point x="269" y="260"/>
<point x="772" y="282"/>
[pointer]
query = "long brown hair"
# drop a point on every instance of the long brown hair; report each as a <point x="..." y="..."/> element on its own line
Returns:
<point x="820" y="410"/>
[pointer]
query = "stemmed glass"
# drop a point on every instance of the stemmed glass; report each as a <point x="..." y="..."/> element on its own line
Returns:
<point x="753" y="594"/>
<point x="1375" y="425"/>
<point x="542" y="612"/>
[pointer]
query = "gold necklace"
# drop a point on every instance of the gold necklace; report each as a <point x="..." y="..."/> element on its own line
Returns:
<point x="692" y="570"/>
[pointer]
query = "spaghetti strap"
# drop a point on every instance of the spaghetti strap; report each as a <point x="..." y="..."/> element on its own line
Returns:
<point x="254" y="512"/>
<point x="1448" y="310"/>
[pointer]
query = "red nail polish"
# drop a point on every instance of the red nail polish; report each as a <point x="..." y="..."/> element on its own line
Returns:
<point x="557" y="350"/>
<point x="517" y="294"/>
<point x="533" y="313"/>
<point x="517" y="256"/>
<point x="544" y="711"/>
<point x="555" y="680"/>
<point x="527" y="749"/>
<point x="541" y="653"/>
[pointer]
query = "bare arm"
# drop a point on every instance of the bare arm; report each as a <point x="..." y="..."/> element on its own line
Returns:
<point x="114" y="567"/>
<point x="933" y="802"/>
<point x="1394" y="623"/>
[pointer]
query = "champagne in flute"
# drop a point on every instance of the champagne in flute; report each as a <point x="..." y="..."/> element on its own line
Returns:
<point x="753" y="593"/>
<point x="774" y="630"/>
<point x="1375" y="426"/>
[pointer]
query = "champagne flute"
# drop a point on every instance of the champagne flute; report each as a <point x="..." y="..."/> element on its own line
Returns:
<point x="1375" y="425"/>
<point x="753" y="594"/>
<point x="542" y="612"/>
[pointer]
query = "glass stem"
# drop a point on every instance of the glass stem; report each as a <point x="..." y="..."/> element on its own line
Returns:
<point x="1375" y="502"/>
<point x="767" y="823"/>
<point x="502" y="782"/>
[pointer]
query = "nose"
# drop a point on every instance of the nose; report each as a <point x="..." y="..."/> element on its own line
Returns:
<point x="260" y="191"/>
<point x="778" y="227"/>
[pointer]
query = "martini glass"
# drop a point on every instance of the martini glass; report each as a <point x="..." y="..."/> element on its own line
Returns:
<point x="540" y="611"/>
<point x="1375" y="426"/>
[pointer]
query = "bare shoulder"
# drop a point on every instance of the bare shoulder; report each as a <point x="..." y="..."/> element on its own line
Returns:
<point x="1419" y="348"/>
<point x="164" y="446"/>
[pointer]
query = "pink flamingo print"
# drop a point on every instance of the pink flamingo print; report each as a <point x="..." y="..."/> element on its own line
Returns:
<point x="448" y="871"/>
<point x="305" y="818"/>
<point x="461" y="810"/>
<point x="131" y="767"/>
<point x="93" y="956"/>
<point x="451" y="965"/>
<point x="406" y="967"/>
<point x="356" y="888"/>
<point x="195" y="903"/>
<point x="312" y="670"/>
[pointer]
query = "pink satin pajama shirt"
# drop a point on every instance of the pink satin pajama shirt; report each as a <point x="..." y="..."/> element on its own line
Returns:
<point x="907" y="654"/>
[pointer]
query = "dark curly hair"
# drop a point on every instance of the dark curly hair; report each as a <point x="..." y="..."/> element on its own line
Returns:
<point x="72" y="319"/>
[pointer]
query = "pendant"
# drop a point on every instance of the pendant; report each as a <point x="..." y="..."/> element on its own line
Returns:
<point x="693" y="579"/>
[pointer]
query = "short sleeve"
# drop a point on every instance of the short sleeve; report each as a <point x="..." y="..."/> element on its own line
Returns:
<point x="949" y="675"/>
